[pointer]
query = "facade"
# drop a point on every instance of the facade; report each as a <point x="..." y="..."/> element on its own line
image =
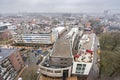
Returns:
<point x="10" y="63"/>
<point x="61" y="54"/>
<point x="60" y="61"/>
<point x="41" y="38"/>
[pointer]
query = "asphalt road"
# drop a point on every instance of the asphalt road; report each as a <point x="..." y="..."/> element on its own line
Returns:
<point x="94" y="73"/>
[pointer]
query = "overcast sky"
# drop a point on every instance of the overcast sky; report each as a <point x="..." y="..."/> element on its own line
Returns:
<point x="57" y="5"/>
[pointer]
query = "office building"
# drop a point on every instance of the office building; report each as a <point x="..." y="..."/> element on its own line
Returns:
<point x="47" y="36"/>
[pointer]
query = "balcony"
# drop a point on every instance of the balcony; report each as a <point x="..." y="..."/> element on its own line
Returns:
<point x="8" y="75"/>
<point x="5" y="63"/>
<point x="3" y="70"/>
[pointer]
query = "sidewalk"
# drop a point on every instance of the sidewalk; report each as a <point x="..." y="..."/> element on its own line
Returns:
<point x="20" y="73"/>
<point x="49" y="78"/>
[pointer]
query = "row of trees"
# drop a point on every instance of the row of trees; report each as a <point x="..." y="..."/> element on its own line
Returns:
<point x="97" y="26"/>
<point x="30" y="73"/>
<point x="110" y="54"/>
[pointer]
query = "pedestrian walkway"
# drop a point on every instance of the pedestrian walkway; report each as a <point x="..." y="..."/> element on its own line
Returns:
<point x="20" y="73"/>
<point x="49" y="78"/>
<point x="72" y="78"/>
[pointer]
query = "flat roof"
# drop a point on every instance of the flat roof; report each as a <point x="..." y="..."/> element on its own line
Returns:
<point x="62" y="48"/>
<point x="5" y="52"/>
<point x="71" y="32"/>
<point x="88" y="57"/>
<point x="88" y="45"/>
<point x="60" y="29"/>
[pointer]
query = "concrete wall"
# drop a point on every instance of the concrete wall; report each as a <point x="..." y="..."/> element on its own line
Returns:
<point x="52" y="72"/>
<point x="63" y="62"/>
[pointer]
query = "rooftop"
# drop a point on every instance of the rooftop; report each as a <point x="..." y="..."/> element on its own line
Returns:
<point x="85" y="53"/>
<point x="84" y="57"/>
<point x="59" y="29"/>
<point x="62" y="48"/>
<point x="88" y="44"/>
<point x="32" y="31"/>
<point x="5" y="52"/>
<point x="4" y="24"/>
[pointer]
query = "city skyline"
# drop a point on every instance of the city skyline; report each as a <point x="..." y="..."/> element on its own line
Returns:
<point x="72" y="6"/>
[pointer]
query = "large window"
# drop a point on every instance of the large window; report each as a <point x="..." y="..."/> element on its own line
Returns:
<point x="49" y="71"/>
<point x="80" y="68"/>
<point x="58" y="71"/>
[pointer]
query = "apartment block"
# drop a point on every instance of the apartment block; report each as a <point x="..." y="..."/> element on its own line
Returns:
<point x="10" y="63"/>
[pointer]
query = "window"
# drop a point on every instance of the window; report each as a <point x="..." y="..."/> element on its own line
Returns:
<point x="84" y="65"/>
<point x="80" y="68"/>
<point x="61" y="63"/>
<point x="61" y="59"/>
<point x="65" y="59"/>
<point x="50" y="71"/>
<point x="18" y="59"/>
<point x="42" y="69"/>
<point x="57" y="71"/>
<point x="65" y="63"/>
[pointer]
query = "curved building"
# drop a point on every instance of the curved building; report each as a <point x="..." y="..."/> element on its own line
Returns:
<point x="59" y="62"/>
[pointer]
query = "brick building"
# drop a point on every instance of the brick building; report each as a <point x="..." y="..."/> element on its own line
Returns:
<point x="10" y="63"/>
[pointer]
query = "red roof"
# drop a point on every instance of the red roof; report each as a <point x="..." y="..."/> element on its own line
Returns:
<point x="76" y="55"/>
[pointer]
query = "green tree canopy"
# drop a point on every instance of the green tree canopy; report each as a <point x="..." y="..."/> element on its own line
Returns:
<point x="110" y="53"/>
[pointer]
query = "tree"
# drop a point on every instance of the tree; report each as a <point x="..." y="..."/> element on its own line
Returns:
<point x="97" y="26"/>
<point x="30" y="73"/>
<point x="110" y="41"/>
<point x="110" y="54"/>
<point x="116" y="40"/>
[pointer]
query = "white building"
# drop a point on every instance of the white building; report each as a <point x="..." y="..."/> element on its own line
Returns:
<point x="59" y="63"/>
<point x="85" y="60"/>
<point x="40" y="38"/>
